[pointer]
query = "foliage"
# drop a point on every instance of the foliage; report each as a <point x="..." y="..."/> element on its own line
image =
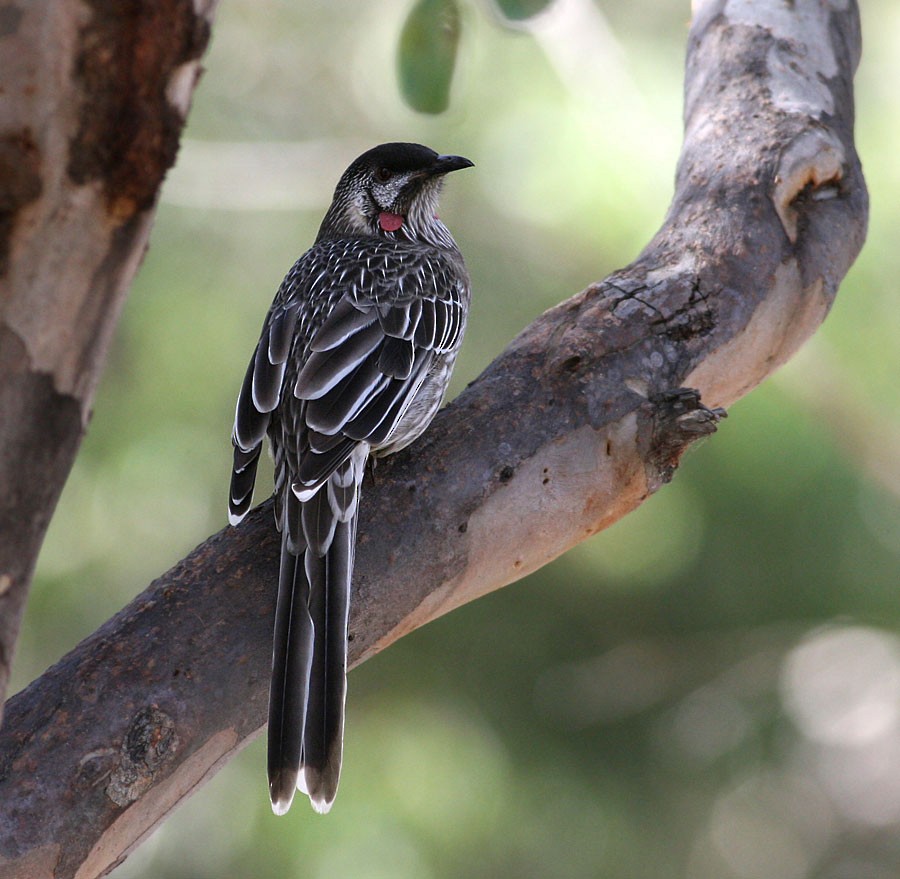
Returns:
<point x="427" y="54"/>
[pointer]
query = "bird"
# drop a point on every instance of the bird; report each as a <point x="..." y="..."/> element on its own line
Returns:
<point x="352" y="364"/>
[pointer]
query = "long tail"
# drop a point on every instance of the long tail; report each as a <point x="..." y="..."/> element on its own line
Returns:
<point x="323" y="731"/>
<point x="309" y="662"/>
<point x="291" y="661"/>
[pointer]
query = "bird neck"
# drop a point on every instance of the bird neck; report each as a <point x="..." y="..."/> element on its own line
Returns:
<point x="432" y="232"/>
<point x="420" y="226"/>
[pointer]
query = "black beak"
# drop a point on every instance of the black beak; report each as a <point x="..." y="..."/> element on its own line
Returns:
<point x="446" y="164"/>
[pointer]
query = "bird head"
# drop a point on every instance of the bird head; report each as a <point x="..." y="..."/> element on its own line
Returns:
<point x="390" y="187"/>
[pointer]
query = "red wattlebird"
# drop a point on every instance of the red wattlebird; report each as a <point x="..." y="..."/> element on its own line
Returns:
<point x="353" y="360"/>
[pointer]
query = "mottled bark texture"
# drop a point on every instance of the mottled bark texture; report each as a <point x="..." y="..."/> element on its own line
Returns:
<point x="95" y="95"/>
<point x="582" y="417"/>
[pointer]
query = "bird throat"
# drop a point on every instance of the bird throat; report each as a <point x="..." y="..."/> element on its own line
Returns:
<point x="390" y="222"/>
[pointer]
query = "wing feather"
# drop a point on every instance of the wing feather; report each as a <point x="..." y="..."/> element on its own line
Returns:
<point x="381" y="413"/>
<point x="267" y="378"/>
<point x="325" y="369"/>
<point x="281" y="334"/>
<point x="394" y="319"/>
<point x="250" y="424"/>
<point x="396" y="357"/>
<point x="345" y="319"/>
<point x="315" y="468"/>
<point x="331" y="412"/>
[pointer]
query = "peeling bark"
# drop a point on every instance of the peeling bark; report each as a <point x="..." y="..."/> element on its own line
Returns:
<point x="94" y="99"/>
<point x="583" y="416"/>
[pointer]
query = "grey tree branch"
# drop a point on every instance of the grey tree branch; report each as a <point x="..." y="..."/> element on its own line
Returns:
<point x="94" y="100"/>
<point x="578" y="421"/>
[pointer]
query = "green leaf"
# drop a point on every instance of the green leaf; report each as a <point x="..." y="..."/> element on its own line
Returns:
<point x="427" y="54"/>
<point x="519" y="10"/>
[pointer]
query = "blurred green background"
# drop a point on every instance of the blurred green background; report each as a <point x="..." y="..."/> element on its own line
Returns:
<point x="711" y="688"/>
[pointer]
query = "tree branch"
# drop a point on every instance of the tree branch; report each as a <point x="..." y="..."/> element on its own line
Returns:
<point x="578" y="421"/>
<point x="94" y="104"/>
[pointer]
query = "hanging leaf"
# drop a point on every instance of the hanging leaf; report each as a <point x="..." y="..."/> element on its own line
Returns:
<point x="427" y="54"/>
<point x="519" y="10"/>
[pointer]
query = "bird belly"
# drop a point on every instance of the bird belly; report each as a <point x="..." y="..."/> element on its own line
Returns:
<point x="421" y="410"/>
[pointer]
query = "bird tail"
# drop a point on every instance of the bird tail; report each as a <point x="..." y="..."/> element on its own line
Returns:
<point x="291" y="661"/>
<point x="323" y="731"/>
<point x="309" y="662"/>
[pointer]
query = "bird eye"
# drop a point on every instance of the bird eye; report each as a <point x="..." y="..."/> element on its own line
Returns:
<point x="382" y="175"/>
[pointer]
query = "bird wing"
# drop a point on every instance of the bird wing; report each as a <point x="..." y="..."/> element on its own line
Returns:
<point x="351" y="336"/>
<point x="402" y="308"/>
<point x="258" y="397"/>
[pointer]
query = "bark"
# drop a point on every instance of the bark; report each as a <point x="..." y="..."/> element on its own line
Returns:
<point x="583" y="416"/>
<point x="94" y="99"/>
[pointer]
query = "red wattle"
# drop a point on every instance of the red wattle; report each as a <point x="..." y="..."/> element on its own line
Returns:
<point x="390" y="222"/>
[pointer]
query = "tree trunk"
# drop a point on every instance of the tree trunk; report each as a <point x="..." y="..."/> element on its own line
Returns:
<point x="94" y="100"/>
<point x="583" y="416"/>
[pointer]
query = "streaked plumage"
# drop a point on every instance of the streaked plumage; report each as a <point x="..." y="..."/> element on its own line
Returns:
<point x="353" y="360"/>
